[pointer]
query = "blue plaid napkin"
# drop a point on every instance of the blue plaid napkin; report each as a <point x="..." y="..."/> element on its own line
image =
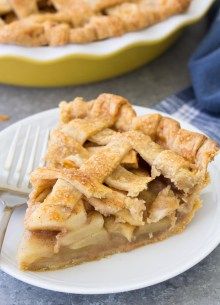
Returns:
<point x="200" y="104"/>
<point x="185" y="106"/>
<point x="204" y="67"/>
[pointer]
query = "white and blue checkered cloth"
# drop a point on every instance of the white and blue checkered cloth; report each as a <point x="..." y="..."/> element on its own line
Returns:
<point x="200" y="104"/>
<point x="184" y="106"/>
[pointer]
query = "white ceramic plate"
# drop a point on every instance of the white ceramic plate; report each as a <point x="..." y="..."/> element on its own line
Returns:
<point x="150" y="35"/>
<point x="140" y="268"/>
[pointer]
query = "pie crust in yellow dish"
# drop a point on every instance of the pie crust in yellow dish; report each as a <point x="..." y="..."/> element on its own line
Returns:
<point x="60" y="22"/>
<point x="112" y="182"/>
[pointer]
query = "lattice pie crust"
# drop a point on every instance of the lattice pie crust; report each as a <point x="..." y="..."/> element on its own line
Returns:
<point x="59" y="22"/>
<point x="112" y="182"/>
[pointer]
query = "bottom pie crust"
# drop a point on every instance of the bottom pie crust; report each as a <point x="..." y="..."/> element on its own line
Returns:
<point x="67" y="257"/>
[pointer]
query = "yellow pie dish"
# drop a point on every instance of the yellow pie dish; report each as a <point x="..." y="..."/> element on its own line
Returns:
<point x="80" y="64"/>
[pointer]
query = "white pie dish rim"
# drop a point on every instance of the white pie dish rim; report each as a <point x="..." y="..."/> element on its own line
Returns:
<point x="93" y="277"/>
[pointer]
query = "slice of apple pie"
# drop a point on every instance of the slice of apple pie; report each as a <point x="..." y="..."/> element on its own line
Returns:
<point x="112" y="182"/>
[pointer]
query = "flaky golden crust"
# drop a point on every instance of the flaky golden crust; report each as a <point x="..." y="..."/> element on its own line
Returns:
<point x="56" y="22"/>
<point x="167" y="132"/>
<point x="112" y="182"/>
<point x="114" y="107"/>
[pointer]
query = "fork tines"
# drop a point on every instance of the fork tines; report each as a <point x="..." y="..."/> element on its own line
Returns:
<point x="26" y="151"/>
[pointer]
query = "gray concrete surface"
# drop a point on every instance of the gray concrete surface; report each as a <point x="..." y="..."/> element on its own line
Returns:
<point x="198" y="286"/>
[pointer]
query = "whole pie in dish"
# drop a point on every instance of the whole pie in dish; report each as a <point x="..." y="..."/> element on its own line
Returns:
<point x="59" y="22"/>
<point x="112" y="182"/>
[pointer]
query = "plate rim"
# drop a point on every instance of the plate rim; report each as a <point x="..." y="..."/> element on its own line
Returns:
<point x="212" y="244"/>
<point x="100" y="49"/>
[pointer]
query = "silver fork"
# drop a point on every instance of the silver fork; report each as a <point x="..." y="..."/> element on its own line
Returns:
<point x="23" y="154"/>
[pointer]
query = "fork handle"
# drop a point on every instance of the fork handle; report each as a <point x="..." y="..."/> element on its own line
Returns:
<point x="6" y="215"/>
